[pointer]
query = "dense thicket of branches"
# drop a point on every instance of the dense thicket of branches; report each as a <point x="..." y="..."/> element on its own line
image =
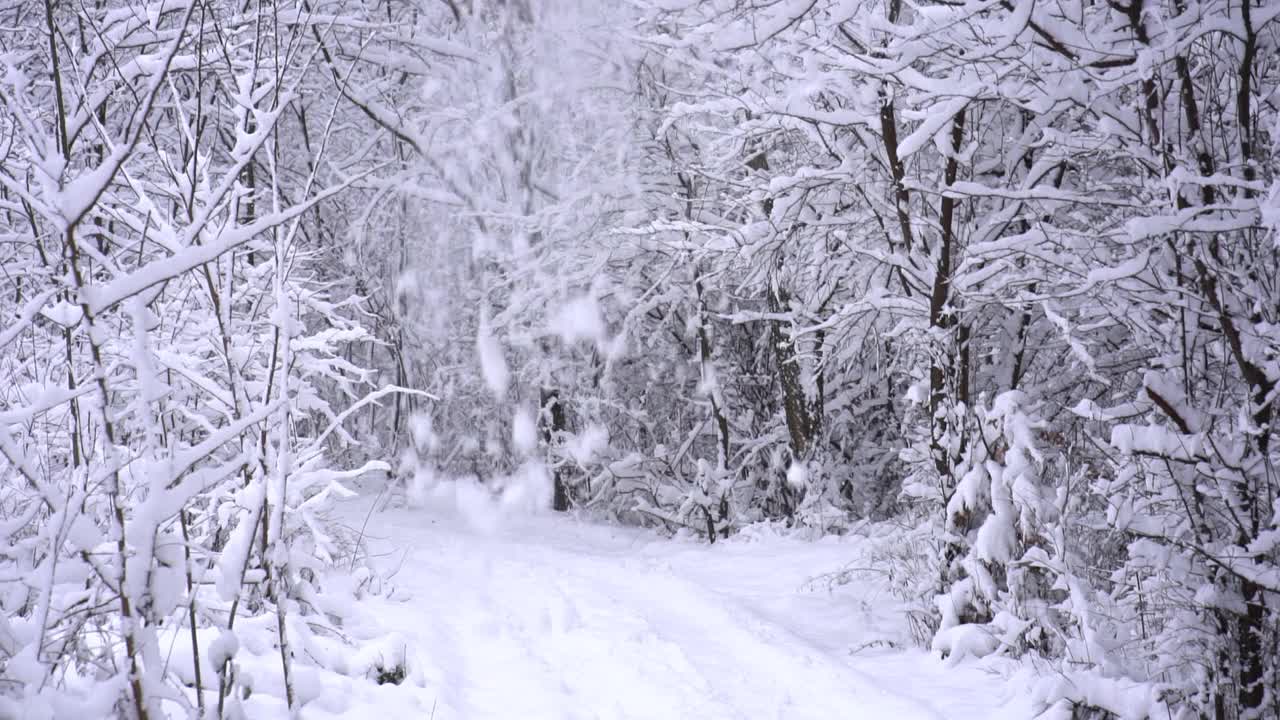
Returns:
<point x="174" y="346"/>
<point x="1027" y="254"/>
<point x="1005" y="271"/>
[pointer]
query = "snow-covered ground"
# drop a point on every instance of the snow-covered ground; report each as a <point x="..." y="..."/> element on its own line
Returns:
<point x="552" y="617"/>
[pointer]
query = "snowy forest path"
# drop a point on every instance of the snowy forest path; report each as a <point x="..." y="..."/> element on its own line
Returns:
<point x="546" y="617"/>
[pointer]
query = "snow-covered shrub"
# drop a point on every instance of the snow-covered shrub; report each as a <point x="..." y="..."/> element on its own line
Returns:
<point x="177" y="365"/>
<point x="997" y="598"/>
<point x="1185" y="606"/>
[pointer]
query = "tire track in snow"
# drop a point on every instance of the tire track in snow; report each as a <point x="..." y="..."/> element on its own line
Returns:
<point x="764" y="665"/>
<point x="551" y="619"/>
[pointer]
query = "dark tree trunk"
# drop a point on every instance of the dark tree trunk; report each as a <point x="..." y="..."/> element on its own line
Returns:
<point x="940" y="316"/>
<point x="552" y="427"/>
<point x="803" y="416"/>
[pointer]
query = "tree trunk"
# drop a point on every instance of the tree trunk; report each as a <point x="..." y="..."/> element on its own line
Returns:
<point x="552" y="426"/>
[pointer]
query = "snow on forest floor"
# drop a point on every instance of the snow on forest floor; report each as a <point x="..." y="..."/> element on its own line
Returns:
<point x="554" y="617"/>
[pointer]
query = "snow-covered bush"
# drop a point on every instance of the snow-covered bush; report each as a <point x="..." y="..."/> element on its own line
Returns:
<point x="999" y="514"/>
<point x="176" y="357"/>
